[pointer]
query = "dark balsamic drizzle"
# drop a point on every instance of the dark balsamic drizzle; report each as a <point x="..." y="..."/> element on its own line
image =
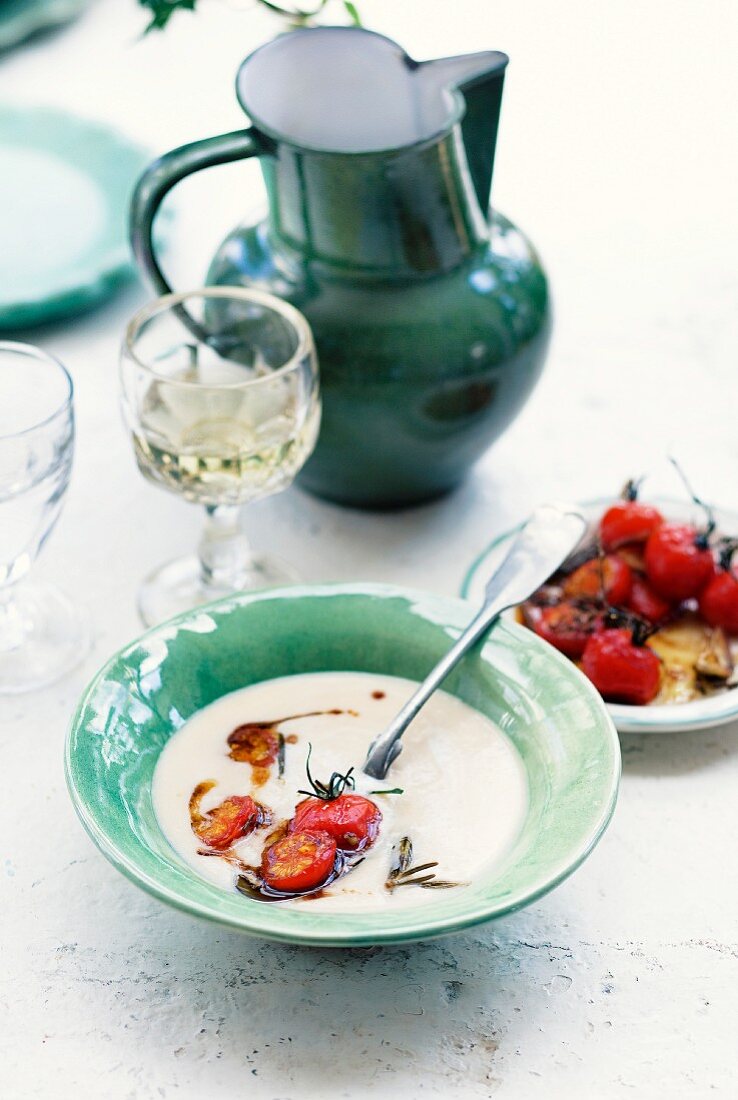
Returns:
<point x="261" y="745"/>
<point x="273" y="723"/>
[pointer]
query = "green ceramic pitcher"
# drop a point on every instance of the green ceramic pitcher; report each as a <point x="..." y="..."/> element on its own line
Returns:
<point x="431" y="317"/>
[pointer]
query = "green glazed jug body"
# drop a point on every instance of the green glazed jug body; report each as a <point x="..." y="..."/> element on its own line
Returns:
<point x="431" y="317"/>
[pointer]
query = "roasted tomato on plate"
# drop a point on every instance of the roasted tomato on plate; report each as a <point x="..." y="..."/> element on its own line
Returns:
<point x="646" y="606"/>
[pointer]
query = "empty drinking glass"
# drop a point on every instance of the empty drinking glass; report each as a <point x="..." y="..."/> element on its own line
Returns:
<point x="220" y="393"/>
<point x="42" y="634"/>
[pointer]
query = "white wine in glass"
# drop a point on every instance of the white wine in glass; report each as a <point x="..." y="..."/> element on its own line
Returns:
<point x="220" y="393"/>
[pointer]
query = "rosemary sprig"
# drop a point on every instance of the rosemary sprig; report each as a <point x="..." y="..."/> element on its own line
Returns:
<point x="280" y="755"/>
<point x="336" y="785"/>
<point x="402" y="874"/>
<point x="403" y="859"/>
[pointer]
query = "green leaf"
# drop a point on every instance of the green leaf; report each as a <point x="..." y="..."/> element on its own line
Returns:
<point x="353" y="12"/>
<point x="395" y="790"/>
<point x="163" y="10"/>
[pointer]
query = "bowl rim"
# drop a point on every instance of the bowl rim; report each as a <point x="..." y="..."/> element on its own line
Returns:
<point x="417" y="926"/>
<point x="715" y="710"/>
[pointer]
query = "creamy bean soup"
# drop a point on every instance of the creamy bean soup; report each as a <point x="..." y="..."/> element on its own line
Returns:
<point x="262" y="792"/>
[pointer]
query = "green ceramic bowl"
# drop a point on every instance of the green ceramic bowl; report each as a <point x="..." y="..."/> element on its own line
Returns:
<point x="551" y="713"/>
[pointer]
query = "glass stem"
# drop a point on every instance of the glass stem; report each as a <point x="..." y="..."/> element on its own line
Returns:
<point x="225" y="552"/>
<point x="13" y="627"/>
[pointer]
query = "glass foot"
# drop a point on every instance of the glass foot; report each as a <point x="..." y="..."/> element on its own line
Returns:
<point x="42" y="636"/>
<point x="179" y="586"/>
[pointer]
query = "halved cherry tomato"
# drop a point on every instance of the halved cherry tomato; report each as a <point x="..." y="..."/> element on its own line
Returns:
<point x="621" y="672"/>
<point x="586" y="582"/>
<point x="300" y="861"/>
<point x="257" y="745"/>
<point x="565" y="626"/>
<point x="646" y="603"/>
<point x="677" y="565"/>
<point x="628" y="521"/>
<point x="232" y="819"/>
<point x="719" y="600"/>
<point x="352" y="820"/>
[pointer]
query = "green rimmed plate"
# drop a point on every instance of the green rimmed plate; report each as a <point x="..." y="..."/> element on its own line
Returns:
<point x="64" y="193"/>
<point x="21" y="19"/>
<point x="552" y="714"/>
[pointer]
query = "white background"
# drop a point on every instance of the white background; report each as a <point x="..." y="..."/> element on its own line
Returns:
<point x="618" y="156"/>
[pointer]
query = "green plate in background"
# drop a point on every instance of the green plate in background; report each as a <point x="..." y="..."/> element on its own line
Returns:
<point x="65" y="186"/>
<point x="20" y="19"/>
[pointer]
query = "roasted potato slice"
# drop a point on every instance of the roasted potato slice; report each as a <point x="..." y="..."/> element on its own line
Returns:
<point x="690" y="649"/>
<point x="715" y="660"/>
<point x="634" y="556"/>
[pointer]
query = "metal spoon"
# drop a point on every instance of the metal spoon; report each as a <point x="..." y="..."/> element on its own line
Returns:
<point x="546" y="540"/>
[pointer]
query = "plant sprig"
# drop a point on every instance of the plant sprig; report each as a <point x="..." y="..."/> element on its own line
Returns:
<point x="163" y="10"/>
<point x="726" y="548"/>
<point x="336" y="785"/>
<point x="632" y="488"/>
<point x="402" y="874"/>
<point x="703" y="538"/>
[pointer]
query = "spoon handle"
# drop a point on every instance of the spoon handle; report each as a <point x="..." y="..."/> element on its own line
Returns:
<point x="550" y="534"/>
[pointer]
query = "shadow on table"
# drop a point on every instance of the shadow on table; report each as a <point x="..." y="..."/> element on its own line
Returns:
<point x="677" y="753"/>
<point x="333" y="1022"/>
<point x="429" y="545"/>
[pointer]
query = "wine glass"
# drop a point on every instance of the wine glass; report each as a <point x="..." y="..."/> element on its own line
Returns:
<point x="42" y="634"/>
<point x="220" y="393"/>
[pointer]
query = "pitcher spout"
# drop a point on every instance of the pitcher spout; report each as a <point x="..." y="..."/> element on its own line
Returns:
<point x="461" y="71"/>
<point x="478" y="78"/>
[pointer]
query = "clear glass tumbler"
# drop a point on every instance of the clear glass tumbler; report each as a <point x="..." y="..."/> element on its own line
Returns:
<point x="42" y="634"/>
<point x="220" y="394"/>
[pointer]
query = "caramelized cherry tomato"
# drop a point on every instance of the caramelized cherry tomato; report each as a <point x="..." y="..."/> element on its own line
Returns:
<point x="628" y="521"/>
<point x="352" y="820"/>
<point x="719" y="600"/>
<point x="646" y="603"/>
<point x="677" y="565"/>
<point x="586" y="582"/>
<point x="257" y="745"/>
<point x="566" y="626"/>
<point x="224" y="824"/>
<point x="621" y="672"/>
<point x="300" y="861"/>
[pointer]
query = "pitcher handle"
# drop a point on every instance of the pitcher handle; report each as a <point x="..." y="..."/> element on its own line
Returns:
<point x="162" y="175"/>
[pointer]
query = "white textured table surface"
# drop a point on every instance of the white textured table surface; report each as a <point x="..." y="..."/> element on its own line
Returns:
<point x="617" y="154"/>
